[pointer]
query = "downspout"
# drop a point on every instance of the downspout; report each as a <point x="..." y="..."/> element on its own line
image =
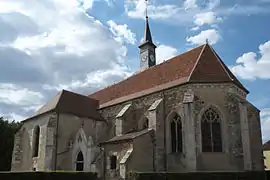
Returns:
<point x="56" y="141"/>
<point x="165" y="132"/>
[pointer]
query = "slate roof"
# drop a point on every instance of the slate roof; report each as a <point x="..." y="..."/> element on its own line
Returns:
<point x="127" y="137"/>
<point x="199" y="65"/>
<point x="147" y="35"/>
<point x="266" y="146"/>
<point x="72" y="103"/>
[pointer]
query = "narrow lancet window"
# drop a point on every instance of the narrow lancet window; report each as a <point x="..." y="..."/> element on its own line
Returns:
<point x="176" y="134"/>
<point x="36" y="141"/>
<point x="79" y="162"/>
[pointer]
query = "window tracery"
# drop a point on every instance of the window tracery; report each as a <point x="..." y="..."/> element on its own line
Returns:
<point x="211" y="131"/>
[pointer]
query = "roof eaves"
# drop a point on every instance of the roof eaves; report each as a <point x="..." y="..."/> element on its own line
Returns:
<point x="128" y="139"/>
<point x="38" y="115"/>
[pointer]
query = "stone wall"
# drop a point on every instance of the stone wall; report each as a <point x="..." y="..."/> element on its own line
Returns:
<point x="119" y="150"/>
<point x="255" y="138"/>
<point x="224" y="98"/>
<point x="23" y="150"/>
<point x="68" y="128"/>
<point x="219" y="95"/>
<point x="142" y="157"/>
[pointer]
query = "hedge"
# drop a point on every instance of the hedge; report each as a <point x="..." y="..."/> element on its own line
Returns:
<point x="47" y="176"/>
<point x="201" y="176"/>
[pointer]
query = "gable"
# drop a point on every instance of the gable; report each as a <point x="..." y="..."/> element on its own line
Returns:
<point x="210" y="68"/>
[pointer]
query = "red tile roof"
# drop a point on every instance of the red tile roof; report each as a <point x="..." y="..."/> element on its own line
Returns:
<point x="200" y="64"/>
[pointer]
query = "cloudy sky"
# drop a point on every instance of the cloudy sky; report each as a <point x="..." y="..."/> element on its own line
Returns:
<point x="84" y="45"/>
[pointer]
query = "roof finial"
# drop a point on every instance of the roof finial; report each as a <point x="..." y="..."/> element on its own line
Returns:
<point x="206" y="41"/>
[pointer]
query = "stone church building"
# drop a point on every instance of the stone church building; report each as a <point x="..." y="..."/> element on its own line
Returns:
<point x="189" y="113"/>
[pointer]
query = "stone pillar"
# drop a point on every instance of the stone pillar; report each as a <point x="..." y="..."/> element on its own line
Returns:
<point x="156" y="122"/>
<point x="50" y="148"/>
<point x="245" y="136"/>
<point x="189" y="130"/>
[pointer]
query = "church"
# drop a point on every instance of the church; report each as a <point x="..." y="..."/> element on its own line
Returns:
<point x="187" y="114"/>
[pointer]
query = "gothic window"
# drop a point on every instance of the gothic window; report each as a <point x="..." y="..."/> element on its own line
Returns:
<point x="113" y="161"/>
<point x="79" y="162"/>
<point x="176" y="134"/>
<point x="36" y="141"/>
<point x="211" y="131"/>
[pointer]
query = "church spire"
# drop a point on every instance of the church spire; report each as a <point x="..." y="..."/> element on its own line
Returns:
<point x="147" y="47"/>
<point x="147" y="32"/>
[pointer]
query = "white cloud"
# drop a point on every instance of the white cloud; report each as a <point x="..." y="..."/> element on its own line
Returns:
<point x="212" y="35"/>
<point x="136" y="9"/>
<point x="14" y="116"/>
<point x="94" y="80"/>
<point x="122" y="32"/>
<point x="66" y="48"/>
<point x="164" y="52"/>
<point x="196" y="28"/>
<point x="247" y="9"/>
<point x="15" y="95"/>
<point x="190" y="4"/>
<point x="206" y="18"/>
<point x="251" y="66"/>
<point x="86" y="4"/>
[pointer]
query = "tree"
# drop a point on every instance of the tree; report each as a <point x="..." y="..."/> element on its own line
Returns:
<point x="7" y="132"/>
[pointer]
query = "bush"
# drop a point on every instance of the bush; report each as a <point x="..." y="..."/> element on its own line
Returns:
<point x="48" y="176"/>
<point x="200" y="176"/>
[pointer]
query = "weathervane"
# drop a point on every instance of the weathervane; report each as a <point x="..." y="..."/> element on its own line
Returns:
<point x="146" y="6"/>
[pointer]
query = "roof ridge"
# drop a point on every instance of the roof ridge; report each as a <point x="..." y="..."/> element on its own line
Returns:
<point x="148" y="69"/>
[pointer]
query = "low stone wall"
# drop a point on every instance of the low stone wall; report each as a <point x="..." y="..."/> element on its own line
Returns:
<point x="47" y="175"/>
<point x="201" y="176"/>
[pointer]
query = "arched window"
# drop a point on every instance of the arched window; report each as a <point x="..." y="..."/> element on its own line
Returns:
<point x="79" y="162"/>
<point x="176" y="134"/>
<point x="36" y="141"/>
<point x="211" y="131"/>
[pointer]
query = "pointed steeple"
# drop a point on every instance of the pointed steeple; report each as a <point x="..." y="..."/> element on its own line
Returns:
<point x="147" y="47"/>
<point x="147" y="34"/>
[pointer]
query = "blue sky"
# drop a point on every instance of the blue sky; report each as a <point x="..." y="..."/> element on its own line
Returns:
<point x="84" y="45"/>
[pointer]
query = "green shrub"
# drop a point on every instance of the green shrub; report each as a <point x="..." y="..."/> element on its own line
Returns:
<point x="48" y="175"/>
<point x="200" y="176"/>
